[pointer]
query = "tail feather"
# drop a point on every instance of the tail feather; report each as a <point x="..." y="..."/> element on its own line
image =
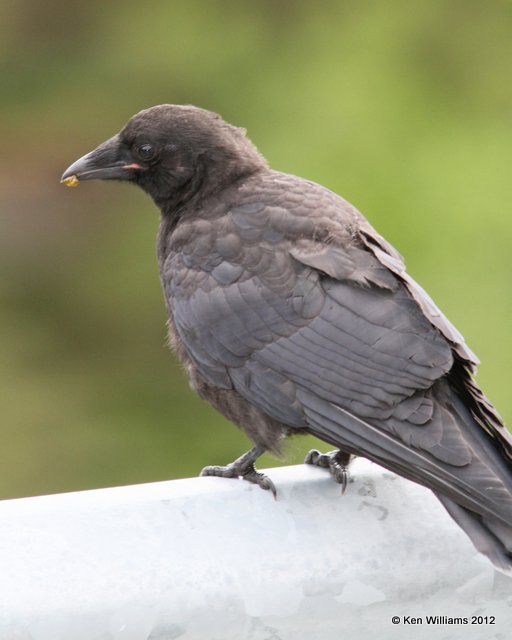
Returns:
<point x="478" y="495"/>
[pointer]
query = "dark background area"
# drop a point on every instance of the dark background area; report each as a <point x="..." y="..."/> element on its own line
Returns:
<point x="404" y="109"/>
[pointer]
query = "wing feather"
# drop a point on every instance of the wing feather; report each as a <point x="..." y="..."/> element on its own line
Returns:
<point x="325" y="332"/>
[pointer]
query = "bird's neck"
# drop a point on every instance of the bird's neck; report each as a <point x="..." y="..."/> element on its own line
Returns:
<point x="208" y="182"/>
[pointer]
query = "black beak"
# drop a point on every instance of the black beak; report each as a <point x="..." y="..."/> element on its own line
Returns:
<point x="110" y="161"/>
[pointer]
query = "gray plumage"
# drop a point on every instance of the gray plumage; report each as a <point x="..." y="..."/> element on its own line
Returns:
<point x="292" y="315"/>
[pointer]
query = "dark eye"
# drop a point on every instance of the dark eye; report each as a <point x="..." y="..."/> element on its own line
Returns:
<point x="146" y="151"/>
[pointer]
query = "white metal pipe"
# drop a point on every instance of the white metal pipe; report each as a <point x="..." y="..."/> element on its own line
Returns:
<point x="217" y="559"/>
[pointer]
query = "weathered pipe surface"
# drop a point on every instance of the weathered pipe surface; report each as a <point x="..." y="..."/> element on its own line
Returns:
<point x="215" y="559"/>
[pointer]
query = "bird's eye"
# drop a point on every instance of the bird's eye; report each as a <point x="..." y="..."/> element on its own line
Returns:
<point x="146" y="151"/>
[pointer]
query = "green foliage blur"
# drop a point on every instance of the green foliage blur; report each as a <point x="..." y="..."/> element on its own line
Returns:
<point x="404" y="108"/>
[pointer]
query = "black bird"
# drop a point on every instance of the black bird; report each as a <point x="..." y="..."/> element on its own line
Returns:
<point x="292" y="315"/>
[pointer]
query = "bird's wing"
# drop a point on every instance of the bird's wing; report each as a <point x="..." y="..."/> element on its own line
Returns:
<point x="332" y="342"/>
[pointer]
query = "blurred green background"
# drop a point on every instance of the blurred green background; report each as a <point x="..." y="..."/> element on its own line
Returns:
<point x="404" y="108"/>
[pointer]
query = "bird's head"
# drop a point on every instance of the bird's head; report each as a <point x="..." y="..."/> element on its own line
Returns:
<point x="172" y="152"/>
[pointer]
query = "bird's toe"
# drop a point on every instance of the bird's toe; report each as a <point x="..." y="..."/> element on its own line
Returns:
<point x="246" y="472"/>
<point x="335" y="461"/>
<point x="263" y="481"/>
<point x="219" y="472"/>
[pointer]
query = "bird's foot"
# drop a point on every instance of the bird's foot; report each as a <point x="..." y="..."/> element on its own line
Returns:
<point x="336" y="461"/>
<point x="243" y="468"/>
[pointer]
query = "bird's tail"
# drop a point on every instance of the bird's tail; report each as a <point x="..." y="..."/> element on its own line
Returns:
<point x="493" y="443"/>
<point x="478" y="495"/>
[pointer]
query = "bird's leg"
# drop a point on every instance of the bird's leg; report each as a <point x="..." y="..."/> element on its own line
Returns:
<point x="243" y="467"/>
<point x="336" y="461"/>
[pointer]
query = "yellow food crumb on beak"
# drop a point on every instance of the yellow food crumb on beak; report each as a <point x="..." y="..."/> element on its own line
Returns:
<point x="71" y="181"/>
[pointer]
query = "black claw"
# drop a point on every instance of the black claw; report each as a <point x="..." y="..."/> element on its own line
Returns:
<point x="336" y="461"/>
<point x="344" y="481"/>
<point x="263" y="481"/>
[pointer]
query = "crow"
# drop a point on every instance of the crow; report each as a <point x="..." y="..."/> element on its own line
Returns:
<point x="292" y="315"/>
